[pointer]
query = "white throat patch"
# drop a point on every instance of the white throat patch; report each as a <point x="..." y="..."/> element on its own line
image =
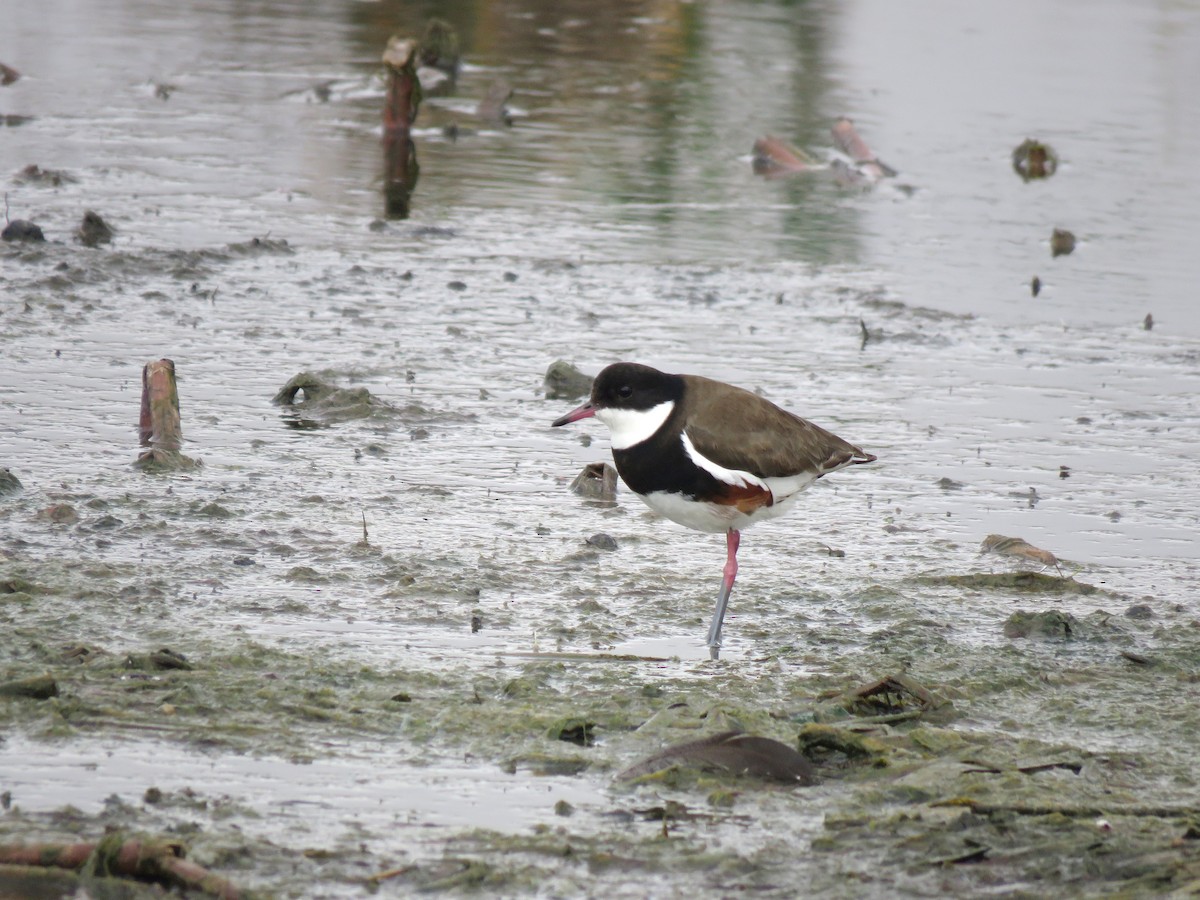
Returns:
<point x="630" y="427"/>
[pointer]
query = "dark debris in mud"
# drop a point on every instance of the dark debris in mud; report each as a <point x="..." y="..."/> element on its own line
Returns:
<point x="1022" y="582"/>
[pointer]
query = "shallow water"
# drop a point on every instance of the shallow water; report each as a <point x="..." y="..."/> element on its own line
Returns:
<point x="617" y="218"/>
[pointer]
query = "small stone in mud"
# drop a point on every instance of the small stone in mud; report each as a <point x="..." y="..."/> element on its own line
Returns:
<point x="243" y="561"/>
<point x="1050" y="624"/>
<point x="402" y="697"/>
<point x="8" y="75"/>
<point x="565" y="382"/>
<point x="1035" y="286"/>
<point x="59" y="514"/>
<point x="35" y="174"/>
<point x="602" y="541"/>
<point x="1139" y="611"/>
<point x="597" y="481"/>
<point x="93" y="230"/>
<point x="260" y="246"/>
<point x="733" y="752"/>
<point x="326" y="401"/>
<point x="573" y="731"/>
<point x="1064" y="471"/>
<point x="563" y="808"/>
<point x="152" y="796"/>
<point x="79" y="654"/>
<point x="419" y="434"/>
<point x="1148" y="322"/>
<point x="40" y="687"/>
<point x="1032" y="159"/>
<point x="22" y="230"/>
<point x="457" y="285"/>
<point x="949" y="484"/>
<point x="9" y="483"/>
<point x="510" y="276"/>
<point x="377" y="225"/>
<point x="169" y="659"/>
<point x="1062" y="242"/>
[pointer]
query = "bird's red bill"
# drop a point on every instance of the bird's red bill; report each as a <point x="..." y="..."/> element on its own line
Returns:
<point x="582" y="412"/>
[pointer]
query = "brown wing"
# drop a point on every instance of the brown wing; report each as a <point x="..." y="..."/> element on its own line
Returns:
<point x="769" y="442"/>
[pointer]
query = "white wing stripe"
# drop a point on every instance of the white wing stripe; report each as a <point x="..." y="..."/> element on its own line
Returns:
<point x="735" y="477"/>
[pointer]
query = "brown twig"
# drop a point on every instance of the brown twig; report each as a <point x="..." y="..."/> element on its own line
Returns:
<point x="1076" y="812"/>
<point x="157" y="861"/>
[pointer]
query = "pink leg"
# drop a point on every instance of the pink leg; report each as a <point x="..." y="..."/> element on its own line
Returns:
<point x="732" y="540"/>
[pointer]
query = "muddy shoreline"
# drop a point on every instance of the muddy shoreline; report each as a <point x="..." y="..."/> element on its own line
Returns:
<point x="371" y="643"/>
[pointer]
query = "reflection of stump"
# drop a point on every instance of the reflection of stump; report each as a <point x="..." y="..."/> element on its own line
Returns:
<point x="399" y="113"/>
<point x="400" y="159"/>
<point x="159" y="427"/>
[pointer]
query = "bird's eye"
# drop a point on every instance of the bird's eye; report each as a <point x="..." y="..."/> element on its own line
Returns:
<point x="624" y="391"/>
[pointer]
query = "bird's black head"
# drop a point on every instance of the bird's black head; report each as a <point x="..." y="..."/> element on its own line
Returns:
<point x="632" y="386"/>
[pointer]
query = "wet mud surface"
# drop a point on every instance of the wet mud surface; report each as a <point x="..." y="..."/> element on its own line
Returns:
<point x="374" y="642"/>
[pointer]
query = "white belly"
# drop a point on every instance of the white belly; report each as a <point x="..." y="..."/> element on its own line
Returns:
<point x="719" y="518"/>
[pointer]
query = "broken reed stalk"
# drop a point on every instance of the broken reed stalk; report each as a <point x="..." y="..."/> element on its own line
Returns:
<point x="161" y="862"/>
<point x="159" y="424"/>
<point x="159" y="427"/>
